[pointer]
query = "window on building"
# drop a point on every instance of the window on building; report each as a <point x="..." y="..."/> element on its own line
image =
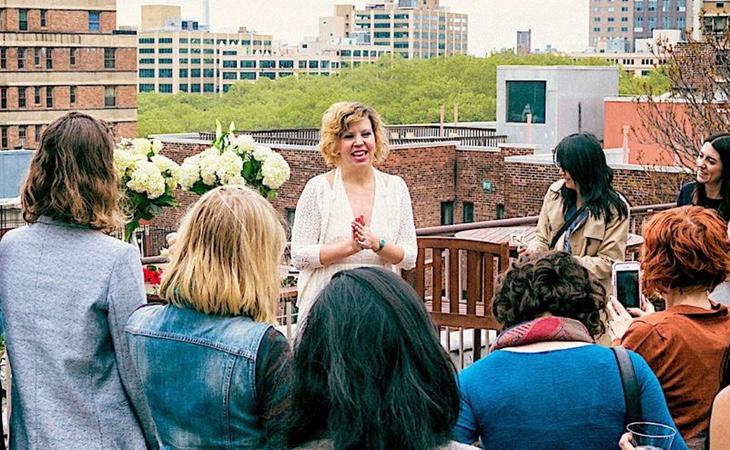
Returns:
<point x="21" y="58"/>
<point x="165" y="40"/>
<point x="183" y="87"/>
<point x="525" y="97"/>
<point x="146" y="40"/>
<point x="229" y="64"/>
<point x="208" y="61"/>
<point x="37" y="57"/>
<point x="109" y="58"/>
<point x="4" y="98"/>
<point x="44" y="22"/>
<point x="183" y="73"/>
<point x="165" y="50"/>
<point x="447" y="213"/>
<point x="208" y="87"/>
<point x="22" y="131"/>
<point x="37" y="95"/>
<point x="94" y="20"/>
<point x="165" y="73"/>
<point x="468" y="212"/>
<point x="49" y="96"/>
<point x="195" y="73"/>
<point x="49" y="58"/>
<point x="23" y="20"/>
<point x="72" y="94"/>
<point x="146" y="51"/>
<point x="248" y="64"/>
<point x="38" y="130"/>
<point x="195" y="88"/>
<point x="21" y="97"/>
<point x="165" y="60"/>
<point x="72" y="56"/>
<point x="230" y="75"/>
<point x="166" y="88"/>
<point x="4" y="133"/>
<point x="3" y="58"/>
<point x="208" y="73"/>
<point x="500" y="212"/>
<point x="110" y="96"/>
<point x="146" y="87"/>
<point x="248" y="76"/>
<point x="146" y="73"/>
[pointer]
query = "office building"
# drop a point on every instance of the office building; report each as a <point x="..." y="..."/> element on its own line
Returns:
<point x="64" y="55"/>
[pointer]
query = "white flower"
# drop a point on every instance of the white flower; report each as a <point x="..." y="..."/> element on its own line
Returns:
<point x="156" y="146"/>
<point x="209" y="162"/>
<point x="261" y="152"/>
<point x="190" y="172"/>
<point x="146" y="178"/>
<point x="169" y="169"/>
<point x="141" y="146"/>
<point x="243" y="143"/>
<point x="122" y="161"/>
<point x="229" y="167"/>
<point x="275" y="171"/>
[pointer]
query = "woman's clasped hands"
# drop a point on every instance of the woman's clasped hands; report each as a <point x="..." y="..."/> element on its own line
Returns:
<point x="362" y="237"/>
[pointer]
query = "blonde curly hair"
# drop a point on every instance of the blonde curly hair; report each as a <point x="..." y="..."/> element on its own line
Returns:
<point x="337" y="120"/>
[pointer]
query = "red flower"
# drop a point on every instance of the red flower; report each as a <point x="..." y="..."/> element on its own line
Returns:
<point x="152" y="275"/>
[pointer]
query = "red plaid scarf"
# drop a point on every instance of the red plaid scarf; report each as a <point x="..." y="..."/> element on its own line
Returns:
<point x="543" y="329"/>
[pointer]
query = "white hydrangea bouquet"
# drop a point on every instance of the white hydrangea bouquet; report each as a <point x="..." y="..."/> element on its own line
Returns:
<point x="148" y="178"/>
<point x="234" y="160"/>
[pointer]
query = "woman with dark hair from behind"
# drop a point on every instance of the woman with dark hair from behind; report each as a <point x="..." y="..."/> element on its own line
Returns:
<point x="546" y="384"/>
<point x="711" y="188"/>
<point x="582" y="214"/>
<point x="67" y="290"/>
<point x="369" y="371"/>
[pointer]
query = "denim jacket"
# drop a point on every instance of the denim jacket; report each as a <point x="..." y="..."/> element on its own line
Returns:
<point x="198" y="373"/>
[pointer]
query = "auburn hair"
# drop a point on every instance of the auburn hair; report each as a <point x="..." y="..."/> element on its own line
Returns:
<point x="685" y="247"/>
<point x="71" y="176"/>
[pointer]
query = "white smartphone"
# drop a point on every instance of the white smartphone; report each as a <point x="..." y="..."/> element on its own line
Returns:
<point x="626" y="281"/>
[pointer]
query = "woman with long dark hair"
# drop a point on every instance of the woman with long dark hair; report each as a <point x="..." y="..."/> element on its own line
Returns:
<point x="582" y="213"/>
<point x="711" y="188"/>
<point x="369" y="371"/>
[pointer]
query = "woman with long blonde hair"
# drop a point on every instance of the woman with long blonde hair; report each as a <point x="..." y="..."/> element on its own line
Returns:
<point x="213" y="345"/>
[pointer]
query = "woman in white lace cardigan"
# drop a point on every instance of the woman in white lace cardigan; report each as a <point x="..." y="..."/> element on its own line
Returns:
<point x="354" y="215"/>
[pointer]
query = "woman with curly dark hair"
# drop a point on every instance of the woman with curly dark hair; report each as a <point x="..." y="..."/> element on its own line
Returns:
<point x="546" y="384"/>
<point x="369" y="372"/>
<point x="686" y="254"/>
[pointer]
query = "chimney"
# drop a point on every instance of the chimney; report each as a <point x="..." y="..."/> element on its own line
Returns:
<point x="206" y="13"/>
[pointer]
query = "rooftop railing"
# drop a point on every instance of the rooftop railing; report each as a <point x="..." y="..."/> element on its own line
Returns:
<point x="397" y="135"/>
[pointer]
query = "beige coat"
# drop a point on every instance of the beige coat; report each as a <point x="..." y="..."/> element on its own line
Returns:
<point x="595" y="244"/>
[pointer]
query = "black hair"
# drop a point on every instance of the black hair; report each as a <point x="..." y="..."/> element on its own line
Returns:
<point x="721" y="144"/>
<point x="582" y="157"/>
<point x="552" y="282"/>
<point x="369" y="371"/>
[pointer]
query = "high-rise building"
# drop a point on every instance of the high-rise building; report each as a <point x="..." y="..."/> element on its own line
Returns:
<point x="524" y="45"/>
<point x="413" y="29"/>
<point x="61" y="55"/>
<point x="615" y="25"/>
<point x="716" y="17"/>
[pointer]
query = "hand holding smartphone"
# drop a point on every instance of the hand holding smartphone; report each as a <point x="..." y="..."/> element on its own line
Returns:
<point x="626" y="281"/>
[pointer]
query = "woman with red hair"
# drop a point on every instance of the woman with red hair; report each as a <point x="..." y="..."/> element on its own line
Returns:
<point x="686" y="254"/>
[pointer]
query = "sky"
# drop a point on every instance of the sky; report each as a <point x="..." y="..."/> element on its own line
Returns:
<point x="492" y="23"/>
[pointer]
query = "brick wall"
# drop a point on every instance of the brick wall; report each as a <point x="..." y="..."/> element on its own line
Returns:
<point x="443" y="173"/>
<point x="59" y="21"/>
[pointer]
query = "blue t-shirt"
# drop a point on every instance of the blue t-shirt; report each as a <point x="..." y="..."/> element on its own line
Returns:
<point x="559" y="399"/>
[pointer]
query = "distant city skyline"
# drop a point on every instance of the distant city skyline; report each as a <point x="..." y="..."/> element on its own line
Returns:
<point x="492" y="23"/>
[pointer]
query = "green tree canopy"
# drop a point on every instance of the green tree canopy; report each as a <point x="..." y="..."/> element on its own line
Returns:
<point x="403" y="91"/>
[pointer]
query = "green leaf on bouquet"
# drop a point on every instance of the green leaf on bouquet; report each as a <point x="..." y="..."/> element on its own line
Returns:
<point x="249" y="169"/>
<point x="154" y="210"/>
<point x="231" y="127"/>
<point x="129" y="228"/>
<point x="218" y="130"/>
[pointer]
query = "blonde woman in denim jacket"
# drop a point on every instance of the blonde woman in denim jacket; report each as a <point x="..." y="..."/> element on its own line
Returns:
<point x="213" y="368"/>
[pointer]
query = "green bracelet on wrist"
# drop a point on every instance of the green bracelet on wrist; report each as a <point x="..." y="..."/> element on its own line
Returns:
<point x="380" y="247"/>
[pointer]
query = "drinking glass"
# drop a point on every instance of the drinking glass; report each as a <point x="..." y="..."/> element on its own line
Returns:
<point x="651" y="436"/>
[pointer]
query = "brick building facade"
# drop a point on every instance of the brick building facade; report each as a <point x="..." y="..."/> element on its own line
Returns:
<point x="58" y="56"/>
<point x="446" y="179"/>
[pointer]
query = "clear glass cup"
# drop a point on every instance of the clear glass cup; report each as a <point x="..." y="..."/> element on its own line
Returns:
<point x="651" y="436"/>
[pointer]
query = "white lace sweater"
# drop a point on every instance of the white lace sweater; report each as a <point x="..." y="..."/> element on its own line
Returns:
<point x="323" y="216"/>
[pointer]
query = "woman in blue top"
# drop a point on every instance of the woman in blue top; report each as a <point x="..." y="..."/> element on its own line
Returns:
<point x="546" y="385"/>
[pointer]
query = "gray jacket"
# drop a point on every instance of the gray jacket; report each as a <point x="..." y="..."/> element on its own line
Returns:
<point x="66" y="294"/>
